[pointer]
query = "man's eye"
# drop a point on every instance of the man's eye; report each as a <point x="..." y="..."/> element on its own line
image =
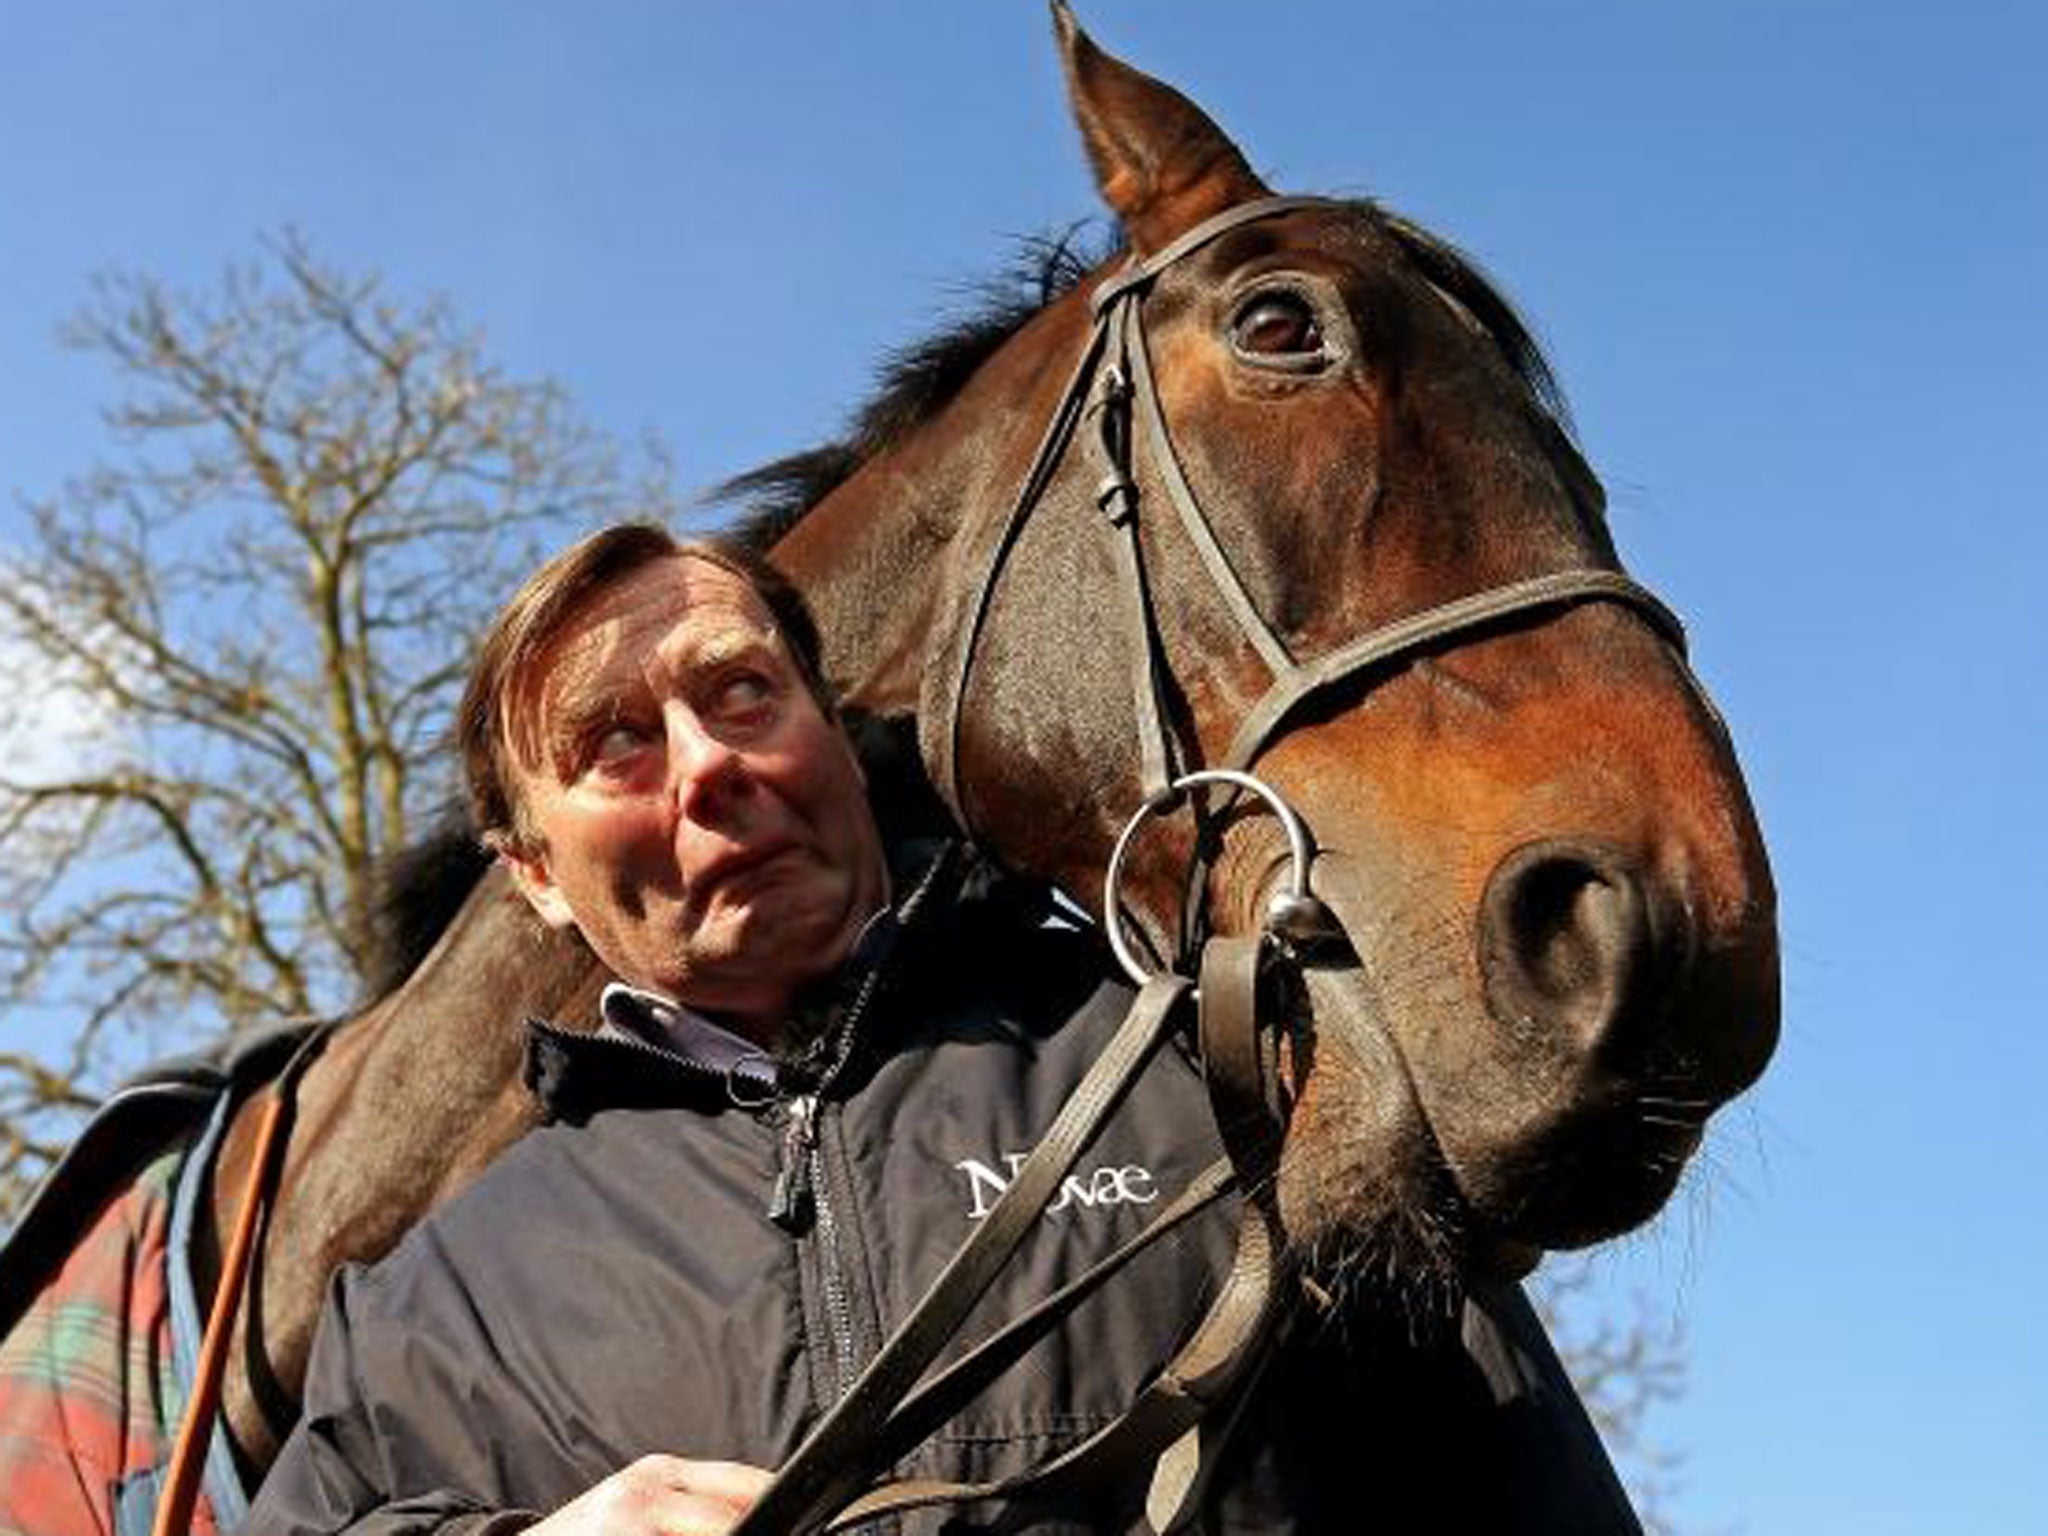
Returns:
<point x="616" y="744"/>
<point x="742" y="695"/>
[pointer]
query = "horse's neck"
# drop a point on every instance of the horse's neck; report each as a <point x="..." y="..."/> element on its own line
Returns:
<point x="882" y="559"/>
<point x="450" y="1042"/>
<point x="869" y="574"/>
<point x="410" y="1100"/>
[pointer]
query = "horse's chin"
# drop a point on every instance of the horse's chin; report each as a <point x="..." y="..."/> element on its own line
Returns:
<point x="1602" y="1173"/>
<point x="1371" y="1204"/>
<point x="1368" y="1205"/>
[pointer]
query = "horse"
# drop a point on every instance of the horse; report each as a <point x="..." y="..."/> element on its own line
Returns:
<point x="1528" y="821"/>
<point x="1533" y="832"/>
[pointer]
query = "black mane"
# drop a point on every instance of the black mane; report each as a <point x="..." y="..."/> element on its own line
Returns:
<point x="419" y="890"/>
<point x="916" y="380"/>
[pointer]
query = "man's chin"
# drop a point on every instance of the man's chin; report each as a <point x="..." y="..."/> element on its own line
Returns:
<point x="730" y="959"/>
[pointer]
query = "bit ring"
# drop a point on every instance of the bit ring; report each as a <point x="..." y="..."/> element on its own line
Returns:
<point x="1295" y="893"/>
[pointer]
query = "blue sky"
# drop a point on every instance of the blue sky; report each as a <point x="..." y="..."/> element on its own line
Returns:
<point x="1788" y="259"/>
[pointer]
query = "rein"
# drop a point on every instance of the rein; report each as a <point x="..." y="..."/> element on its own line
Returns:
<point x="185" y="1471"/>
<point x="1176" y="1426"/>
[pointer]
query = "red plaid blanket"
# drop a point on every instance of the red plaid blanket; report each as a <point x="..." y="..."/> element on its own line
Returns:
<point x="88" y="1399"/>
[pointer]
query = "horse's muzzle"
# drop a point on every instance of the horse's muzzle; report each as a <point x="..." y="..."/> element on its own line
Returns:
<point x="1585" y="956"/>
<point x="1569" y="944"/>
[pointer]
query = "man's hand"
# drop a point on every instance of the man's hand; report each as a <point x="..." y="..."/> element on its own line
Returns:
<point x="661" y="1496"/>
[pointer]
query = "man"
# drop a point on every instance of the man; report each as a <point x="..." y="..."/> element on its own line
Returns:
<point x="816" y="1073"/>
<point x="823" y="1058"/>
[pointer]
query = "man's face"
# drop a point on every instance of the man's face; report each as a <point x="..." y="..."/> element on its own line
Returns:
<point x="690" y="807"/>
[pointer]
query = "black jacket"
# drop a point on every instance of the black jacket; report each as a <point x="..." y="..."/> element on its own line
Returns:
<point x="615" y="1285"/>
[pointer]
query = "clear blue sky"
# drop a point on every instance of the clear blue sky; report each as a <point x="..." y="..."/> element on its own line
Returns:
<point x="1789" y="259"/>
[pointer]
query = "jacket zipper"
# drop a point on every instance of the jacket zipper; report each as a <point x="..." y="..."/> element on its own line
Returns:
<point x="789" y="1203"/>
<point x="799" y="1183"/>
<point x="838" y="1300"/>
<point x="802" y="1200"/>
<point x="801" y="1196"/>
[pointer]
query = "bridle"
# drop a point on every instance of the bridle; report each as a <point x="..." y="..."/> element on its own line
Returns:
<point x="1175" y="1427"/>
<point x="1113" y="382"/>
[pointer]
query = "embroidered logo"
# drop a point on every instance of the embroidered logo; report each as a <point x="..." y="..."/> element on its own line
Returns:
<point x="1106" y="1185"/>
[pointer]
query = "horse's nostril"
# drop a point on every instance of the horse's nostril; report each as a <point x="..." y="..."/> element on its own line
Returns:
<point x="1565" y="939"/>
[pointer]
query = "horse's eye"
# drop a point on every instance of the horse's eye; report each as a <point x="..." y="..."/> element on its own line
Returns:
<point x="1277" y="325"/>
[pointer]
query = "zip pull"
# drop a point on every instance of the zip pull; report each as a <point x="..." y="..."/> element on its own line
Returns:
<point x="789" y="1206"/>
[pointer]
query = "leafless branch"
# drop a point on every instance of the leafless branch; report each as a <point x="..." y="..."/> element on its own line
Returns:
<point x="229" y="650"/>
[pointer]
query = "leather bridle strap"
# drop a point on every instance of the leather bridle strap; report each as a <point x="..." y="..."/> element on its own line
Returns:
<point x="1420" y="631"/>
<point x="832" y="1464"/>
<point x="1116" y="497"/>
<point x="1293" y="682"/>
<point x="1175" y="1429"/>
<point x="1116" y="361"/>
<point x="1218" y="1366"/>
<point x="1134" y="279"/>
<point x="943" y="743"/>
<point x="943" y="746"/>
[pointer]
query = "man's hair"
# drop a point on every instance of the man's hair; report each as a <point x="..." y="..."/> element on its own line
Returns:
<point x="541" y="609"/>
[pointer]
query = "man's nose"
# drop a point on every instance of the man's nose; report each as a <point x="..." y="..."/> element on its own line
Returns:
<point x="704" y="770"/>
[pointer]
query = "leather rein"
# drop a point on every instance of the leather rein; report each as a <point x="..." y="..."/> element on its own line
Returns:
<point x="185" y="1469"/>
<point x="1175" y="1428"/>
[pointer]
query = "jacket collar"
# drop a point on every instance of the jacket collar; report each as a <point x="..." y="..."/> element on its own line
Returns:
<point x="650" y="1049"/>
<point x="635" y="1013"/>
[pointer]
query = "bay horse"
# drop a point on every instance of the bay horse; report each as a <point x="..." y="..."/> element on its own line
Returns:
<point x="1530" y="826"/>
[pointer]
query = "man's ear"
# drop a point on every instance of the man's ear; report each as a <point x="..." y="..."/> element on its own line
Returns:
<point x="537" y="884"/>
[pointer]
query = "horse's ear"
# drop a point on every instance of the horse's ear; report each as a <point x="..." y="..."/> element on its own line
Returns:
<point x="1161" y="164"/>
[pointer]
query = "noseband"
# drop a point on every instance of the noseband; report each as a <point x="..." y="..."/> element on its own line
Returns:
<point x="1113" y="382"/>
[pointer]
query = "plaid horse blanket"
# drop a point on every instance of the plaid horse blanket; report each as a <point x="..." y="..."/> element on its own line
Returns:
<point x="89" y="1398"/>
<point x="99" y="1318"/>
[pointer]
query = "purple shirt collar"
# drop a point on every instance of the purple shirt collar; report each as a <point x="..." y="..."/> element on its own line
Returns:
<point x="661" y="1021"/>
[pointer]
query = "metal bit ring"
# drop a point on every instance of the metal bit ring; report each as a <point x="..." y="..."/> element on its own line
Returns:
<point x="1294" y="896"/>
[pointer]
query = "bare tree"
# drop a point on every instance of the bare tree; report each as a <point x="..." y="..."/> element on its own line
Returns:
<point x="228" y="655"/>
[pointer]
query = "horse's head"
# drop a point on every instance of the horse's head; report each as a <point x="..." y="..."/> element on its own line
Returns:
<point x="1530" y="826"/>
